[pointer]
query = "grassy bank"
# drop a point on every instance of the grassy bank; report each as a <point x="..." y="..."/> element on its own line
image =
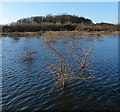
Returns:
<point x="21" y="34"/>
<point x="29" y="34"/>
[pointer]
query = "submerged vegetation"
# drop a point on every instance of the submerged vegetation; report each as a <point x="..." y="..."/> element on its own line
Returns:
<point x="28" y="54"/>
<point x="71" y="62"/>
<point x="40" y="24"/>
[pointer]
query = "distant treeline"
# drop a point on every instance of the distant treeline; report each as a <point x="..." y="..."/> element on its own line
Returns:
<point x="57" y="23"/>
<point x="55" y="19"/>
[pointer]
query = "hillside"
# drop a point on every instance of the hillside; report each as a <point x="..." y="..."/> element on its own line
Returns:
<point x="58" y="23"/>
<point x="55" y="19"/>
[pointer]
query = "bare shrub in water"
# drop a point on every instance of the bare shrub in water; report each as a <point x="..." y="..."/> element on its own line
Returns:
<point x="73" y="62"/>
<point x="28" y="54"/>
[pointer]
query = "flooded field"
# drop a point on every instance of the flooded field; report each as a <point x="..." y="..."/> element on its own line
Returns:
<point x="29" y="80"/>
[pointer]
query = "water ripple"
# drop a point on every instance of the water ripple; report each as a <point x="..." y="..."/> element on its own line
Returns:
<point x="30" y="85"/>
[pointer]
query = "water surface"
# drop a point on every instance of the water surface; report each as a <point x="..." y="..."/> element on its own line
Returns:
<point x="28" y="84"/>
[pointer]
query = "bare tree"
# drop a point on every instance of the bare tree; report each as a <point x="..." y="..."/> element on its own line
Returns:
<point x="75" y="57"/>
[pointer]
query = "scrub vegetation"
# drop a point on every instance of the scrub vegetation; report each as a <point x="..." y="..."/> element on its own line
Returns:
<point x="39" y="25"/>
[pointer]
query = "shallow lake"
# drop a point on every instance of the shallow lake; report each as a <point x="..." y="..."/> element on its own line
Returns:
<point x="27" y="83"/>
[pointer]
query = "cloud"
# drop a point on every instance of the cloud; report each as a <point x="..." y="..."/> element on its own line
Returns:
<point x="5" y="21"/>
<point x="73" y="9"/>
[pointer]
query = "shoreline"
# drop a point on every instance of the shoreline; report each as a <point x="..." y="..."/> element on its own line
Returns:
<point x="40" y="33"/>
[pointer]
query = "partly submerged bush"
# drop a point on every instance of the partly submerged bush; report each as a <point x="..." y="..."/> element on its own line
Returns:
<point x="28" y="54"/>
<point x="73" y="62"/>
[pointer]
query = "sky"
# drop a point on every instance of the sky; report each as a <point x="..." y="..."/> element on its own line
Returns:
<point x="96" y="11"/>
